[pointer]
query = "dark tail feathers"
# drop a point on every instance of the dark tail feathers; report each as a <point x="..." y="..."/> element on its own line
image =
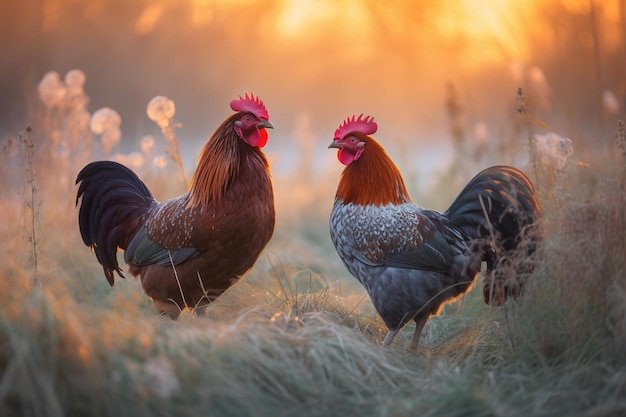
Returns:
<point x="113" y="202"/>
<point x="498" y="210"/>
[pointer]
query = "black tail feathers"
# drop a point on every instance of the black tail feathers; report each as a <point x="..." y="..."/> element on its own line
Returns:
<point x="499" y="212"/>
<point x="113" y="201"/>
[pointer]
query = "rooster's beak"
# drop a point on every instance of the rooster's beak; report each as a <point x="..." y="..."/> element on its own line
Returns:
<point x="334" y="144"/>
<point x="264" y="124"/>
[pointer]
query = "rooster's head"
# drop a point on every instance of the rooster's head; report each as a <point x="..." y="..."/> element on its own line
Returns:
<point x="351" y="137"/>
<point x="252" y="121"/>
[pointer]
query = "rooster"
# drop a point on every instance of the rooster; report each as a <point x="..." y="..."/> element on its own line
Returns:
<point x="412" y="260"/>
<point x="187" y="250"/>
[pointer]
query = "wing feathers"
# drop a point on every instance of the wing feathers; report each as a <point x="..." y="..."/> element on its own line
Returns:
<point x="401" y="236"/>
<point x="142" y="251"/>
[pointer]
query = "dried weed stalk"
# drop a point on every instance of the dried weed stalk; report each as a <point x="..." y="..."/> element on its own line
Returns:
<point x="527" y="121"/>
<point x="33" y="204"/>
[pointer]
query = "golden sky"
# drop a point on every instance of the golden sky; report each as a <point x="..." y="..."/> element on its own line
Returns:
<point x="321" y="60"/>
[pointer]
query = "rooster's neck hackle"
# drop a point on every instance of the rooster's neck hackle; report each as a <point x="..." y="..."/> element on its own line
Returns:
<point x="219" y="164"/>
<point x="373" y="179"/>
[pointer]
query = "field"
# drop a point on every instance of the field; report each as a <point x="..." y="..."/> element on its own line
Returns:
<point x="297" y="335"/>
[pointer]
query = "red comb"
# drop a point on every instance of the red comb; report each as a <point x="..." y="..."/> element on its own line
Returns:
<point x="366" y="126"/>
<point x="252" y="104"/>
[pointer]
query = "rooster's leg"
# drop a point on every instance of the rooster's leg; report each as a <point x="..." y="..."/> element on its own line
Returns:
<point x="390" y="336"/>
<point x="420" y="322"/>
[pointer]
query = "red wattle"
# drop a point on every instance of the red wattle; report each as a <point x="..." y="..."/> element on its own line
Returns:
<point x="257" y="138"/>
<point x="344" y="157"/>
<point x="262" y="138"/>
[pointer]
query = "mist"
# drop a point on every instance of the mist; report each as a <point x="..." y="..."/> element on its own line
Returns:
<point x="315" y="63"/>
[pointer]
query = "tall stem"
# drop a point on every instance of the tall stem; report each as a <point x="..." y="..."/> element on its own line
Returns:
<point x="174" y="151"/>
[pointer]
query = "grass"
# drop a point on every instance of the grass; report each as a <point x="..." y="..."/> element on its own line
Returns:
<point x="297" y="336"/>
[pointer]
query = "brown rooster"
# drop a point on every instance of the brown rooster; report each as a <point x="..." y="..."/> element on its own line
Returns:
<point x="187" y="250"/>
<point x="412" y="260"/>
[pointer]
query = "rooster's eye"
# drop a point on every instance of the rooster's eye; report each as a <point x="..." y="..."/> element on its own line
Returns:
<point x="248" y="119"/>
<point x="353" y="139"/>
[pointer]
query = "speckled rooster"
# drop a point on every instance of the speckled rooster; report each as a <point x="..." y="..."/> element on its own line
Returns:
<point x="412" y="260"/>
<point x="187" y="250"/>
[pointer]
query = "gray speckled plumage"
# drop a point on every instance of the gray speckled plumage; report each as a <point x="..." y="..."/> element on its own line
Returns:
<point x="410" y="260"/>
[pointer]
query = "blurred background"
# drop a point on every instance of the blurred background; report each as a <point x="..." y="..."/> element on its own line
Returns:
<point x="439" y="76"/>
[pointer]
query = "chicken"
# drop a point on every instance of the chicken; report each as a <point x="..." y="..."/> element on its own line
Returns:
<point x="412" y="260"/>
<point x="187" y="250"/>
